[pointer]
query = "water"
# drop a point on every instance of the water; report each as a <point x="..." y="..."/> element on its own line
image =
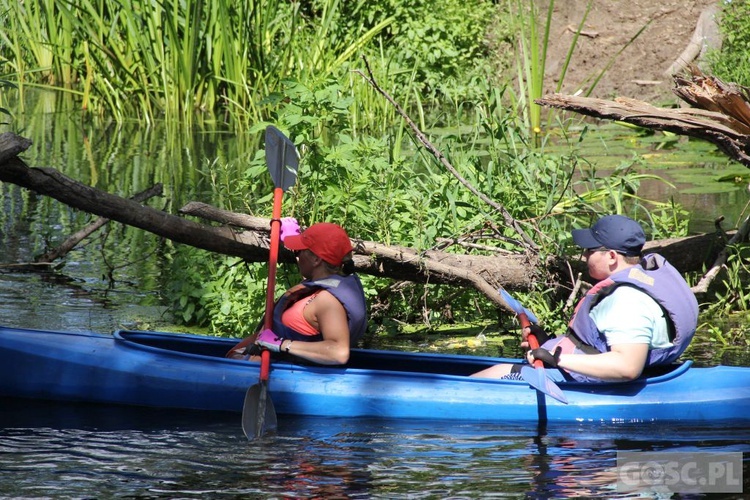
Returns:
<point x="72" y="451"/>
<point x="52" y="450"/>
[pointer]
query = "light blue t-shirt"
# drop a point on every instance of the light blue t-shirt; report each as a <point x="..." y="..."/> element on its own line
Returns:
<point x="630" y="316"/>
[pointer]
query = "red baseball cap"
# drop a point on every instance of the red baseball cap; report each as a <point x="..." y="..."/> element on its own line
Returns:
<point x="326" y="240"/>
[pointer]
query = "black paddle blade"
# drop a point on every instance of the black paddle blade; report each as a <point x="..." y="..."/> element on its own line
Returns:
<point x="282" y="158"/>
<point x="258" y="413"/>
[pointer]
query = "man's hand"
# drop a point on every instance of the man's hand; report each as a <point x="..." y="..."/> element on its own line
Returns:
<point x="539" y="333"/>
<point x="268" y="340"/>
<point x="545" y="356"/>
<point x="289" y="227"/>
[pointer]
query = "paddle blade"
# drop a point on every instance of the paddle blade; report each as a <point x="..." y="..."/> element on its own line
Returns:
<point x="516" y="306"/>
<point x="537" y="378"/>
<point x="258" y="413"/>
<point x="282" y="158"/>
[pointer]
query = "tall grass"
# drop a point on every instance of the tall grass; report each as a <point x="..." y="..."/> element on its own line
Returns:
<point x="731" y="63"/>
<point x="178" y="58"/>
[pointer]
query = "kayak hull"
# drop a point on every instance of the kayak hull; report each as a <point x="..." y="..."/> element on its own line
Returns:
<point x="172" y="370"/>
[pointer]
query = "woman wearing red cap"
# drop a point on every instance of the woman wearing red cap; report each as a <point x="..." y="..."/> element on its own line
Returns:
<point x="319" y="319"/>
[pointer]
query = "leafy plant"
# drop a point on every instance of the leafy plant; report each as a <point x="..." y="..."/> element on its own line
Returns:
<point x="730" y="63"/>
<point x="5" y="84"/>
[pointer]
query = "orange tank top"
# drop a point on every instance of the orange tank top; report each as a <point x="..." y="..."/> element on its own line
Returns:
<point x="295" y="319"/>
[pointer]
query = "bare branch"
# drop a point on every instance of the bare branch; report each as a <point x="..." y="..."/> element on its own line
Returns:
<point x="73" y="240"/>
<point x="507" y="217"/>
<point x="721" y="260"/>
<point x="723" y="117"/>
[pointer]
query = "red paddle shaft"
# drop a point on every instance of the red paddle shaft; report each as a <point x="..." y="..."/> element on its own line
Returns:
<point x="533" y="342"/>
<point x="265" y="356"/>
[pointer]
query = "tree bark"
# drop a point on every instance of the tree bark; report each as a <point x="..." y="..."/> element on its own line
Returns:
<point x="721" y="114"/>
<point x="72" y="241"/>
<point x="247" y="237"/>
<point x="251" y="240"/>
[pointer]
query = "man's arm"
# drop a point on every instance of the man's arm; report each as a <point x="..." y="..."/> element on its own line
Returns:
<point x="624" y="362"/>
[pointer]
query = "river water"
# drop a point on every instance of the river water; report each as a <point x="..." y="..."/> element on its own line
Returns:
<point x="59" y="451"/>
<point x="52" y="450"/>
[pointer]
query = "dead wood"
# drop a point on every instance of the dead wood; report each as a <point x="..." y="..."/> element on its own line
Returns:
<point x="706" y="36"/>
<point x="247" y="237"/>
<point x="509" y="220"/>
<point x="11" y="145"/>
<point x="50" y="182"/>
<point x="73" y="240"/>
<point x="721" y="116"/>
<point x="484" y="273"/>
<point x="721" y="260"/>
<point x="712" y="94"/>
<point x="707" y="125"/>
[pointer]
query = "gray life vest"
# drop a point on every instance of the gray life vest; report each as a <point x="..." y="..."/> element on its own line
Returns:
<point x="662" y="282"/>
<point x="347" y="289"/>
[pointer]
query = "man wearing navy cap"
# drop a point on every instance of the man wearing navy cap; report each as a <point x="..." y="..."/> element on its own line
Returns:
<point x="640" y="313"/>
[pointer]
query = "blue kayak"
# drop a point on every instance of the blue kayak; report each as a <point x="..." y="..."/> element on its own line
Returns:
<point x="173" y="370"/>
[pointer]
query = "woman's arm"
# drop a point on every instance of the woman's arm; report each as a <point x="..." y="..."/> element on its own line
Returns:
<point x="326" y="314"/>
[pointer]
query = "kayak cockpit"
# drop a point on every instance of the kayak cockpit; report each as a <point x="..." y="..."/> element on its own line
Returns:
<point x="367" y="359"/>
<point x="177" y="342"/>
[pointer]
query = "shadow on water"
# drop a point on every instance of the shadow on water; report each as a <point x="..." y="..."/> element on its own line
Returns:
<point x="71" y="450"/>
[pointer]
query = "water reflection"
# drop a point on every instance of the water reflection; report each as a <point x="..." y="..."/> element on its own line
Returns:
<point x="69" y="450"/>
<point x="55" y="301"/>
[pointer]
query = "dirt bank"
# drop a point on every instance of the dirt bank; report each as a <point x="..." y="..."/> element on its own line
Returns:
<point x="637" y="72"/>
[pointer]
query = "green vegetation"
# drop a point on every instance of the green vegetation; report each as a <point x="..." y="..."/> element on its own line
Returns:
<point x="731" y="63"/>
<point x="238" y="65"/>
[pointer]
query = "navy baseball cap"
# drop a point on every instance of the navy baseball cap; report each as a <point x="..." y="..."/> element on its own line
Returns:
<point x="614" y="232"/>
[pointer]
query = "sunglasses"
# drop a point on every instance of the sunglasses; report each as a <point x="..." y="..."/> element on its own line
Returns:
<point x="590" y="251"/>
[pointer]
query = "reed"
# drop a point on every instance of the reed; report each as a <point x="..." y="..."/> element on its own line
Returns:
<point x="531" y="59"/>
<point x="175" y="59"/>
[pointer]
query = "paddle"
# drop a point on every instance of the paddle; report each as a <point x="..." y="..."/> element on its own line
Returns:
<point x="537" y="376"/>
<point x="258" y="413"/>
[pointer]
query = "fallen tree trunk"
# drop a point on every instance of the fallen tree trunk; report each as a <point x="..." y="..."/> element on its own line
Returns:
<point x="484" y="273"/>
<point x="71" y="242"/>
<point x="247" y="237"/>
<point x="722" y="116"/>
<point x="52" y="183"/>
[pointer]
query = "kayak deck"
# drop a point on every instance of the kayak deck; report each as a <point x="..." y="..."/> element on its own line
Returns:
<point x="173" y="370"/>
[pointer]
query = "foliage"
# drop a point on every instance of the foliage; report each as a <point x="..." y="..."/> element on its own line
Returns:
<point x="438" y="43"/>
<point x="731" y="63"/>
<point x="177" y="59"/>
<point x="5" y="84"/>
<point x="218" y="291"/>
<point x="294" y="64"/>
<point x="731" y="294"/>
